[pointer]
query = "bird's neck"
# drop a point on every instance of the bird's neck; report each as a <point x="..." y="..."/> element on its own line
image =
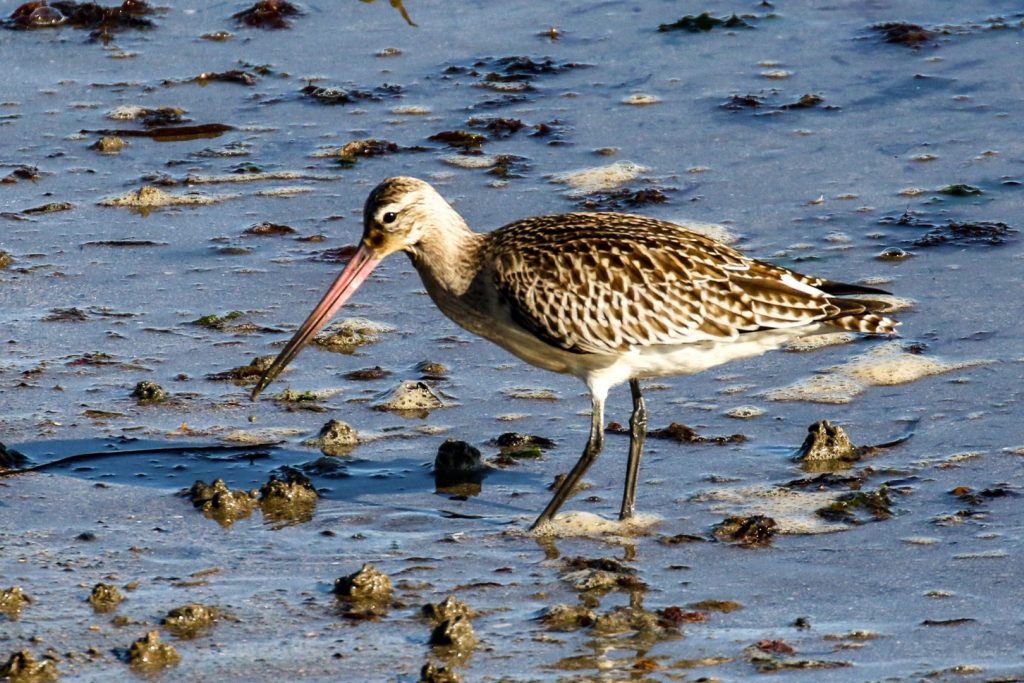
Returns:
<point x="447" y="255"/>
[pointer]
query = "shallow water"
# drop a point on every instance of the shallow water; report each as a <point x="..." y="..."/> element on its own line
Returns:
<point x="818" y="188"/>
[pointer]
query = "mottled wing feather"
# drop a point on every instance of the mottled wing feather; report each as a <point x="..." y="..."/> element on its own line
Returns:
<point x="605" y="283"/>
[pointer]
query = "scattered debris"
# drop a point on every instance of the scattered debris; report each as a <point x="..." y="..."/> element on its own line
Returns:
<point x="105" y="597"/>
<point x="431" y="370"/>
<point x="449" y="608"/>
<point x="625" y="198"/>
<point x="460" y="139"/>
<point x="345" y="336"/>
<point x="148" y="653"/>
<point x="266" y="228"/>
<point x="600" y="575"/>
<point x="985" y="233"/>
<point x="753" y="531"/>
<point x="99" y="20"/>
<point x="237" y="76"/>
<point x="291" y="499"/>
<point x="109" y="144"/>
<point x="349" y="153"/>
<point x="952" y="233"/>
<point x="336" y="438"/>
<point x="761" y="102"/>
<point x="681" y="434"/>
<point x="149" y="197"/>
<point x="220" y="503"/>
<point x="245" y="374"/>
<point x="410" y="397"/>
<point x="268" y="14"/>
<point x="902" y="33"/>
<point x="567" y="617"/>
<point x="877" y="504"/>
<point x="369" y="583"/>
<point x="457" y="463"/>
<point x="10" y="459"/>
<point x="704" y="22"/>
<point x="12" y="600"/>
<point x="515" y="446"/>
<point x="826" y="442"/>
<point x="22" y="667"/>
<point x="431" y="673"/>
<point x="455" y="634"/>
<point x="335" y="95"/>
<point x="190" y="620"/>
<point x="676" y="616"/>
<point x="21" y="172"/>
<point x="148" y="392"/>
<point x="367" y="374"/>
<point x="894" y="254"/>
<point x="723" y="606"/>
<point x="167" y="133"/>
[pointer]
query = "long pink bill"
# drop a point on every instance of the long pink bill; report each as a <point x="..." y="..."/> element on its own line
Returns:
<point x="357" y="270"/>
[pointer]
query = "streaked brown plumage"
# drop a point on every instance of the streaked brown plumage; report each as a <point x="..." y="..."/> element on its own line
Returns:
<point x="606" y="297"/>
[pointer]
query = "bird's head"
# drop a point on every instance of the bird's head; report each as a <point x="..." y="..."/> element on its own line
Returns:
<point x="396" y="216"/>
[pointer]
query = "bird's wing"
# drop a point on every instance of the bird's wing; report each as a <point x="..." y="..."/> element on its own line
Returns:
<point x="606" y="283"/>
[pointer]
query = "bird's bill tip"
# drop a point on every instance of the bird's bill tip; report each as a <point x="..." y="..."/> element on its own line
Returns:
<point x="354" y="274"/>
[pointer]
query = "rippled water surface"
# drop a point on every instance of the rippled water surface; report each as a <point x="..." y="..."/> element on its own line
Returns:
<point x="814" y="141"/>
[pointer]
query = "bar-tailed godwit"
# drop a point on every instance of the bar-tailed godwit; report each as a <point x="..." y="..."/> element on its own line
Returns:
<point x="605" y="297"/>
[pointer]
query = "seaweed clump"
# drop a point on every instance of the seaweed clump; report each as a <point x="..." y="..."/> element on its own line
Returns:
<point x="268" y="14"/>
<point x="704" y="22"/>
<point x="100" y="20"/>
<point x="22" y="667"/>
<point x="903" y="33"/>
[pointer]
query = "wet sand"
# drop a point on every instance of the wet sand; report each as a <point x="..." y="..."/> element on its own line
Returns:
<point x="817" y="143"/>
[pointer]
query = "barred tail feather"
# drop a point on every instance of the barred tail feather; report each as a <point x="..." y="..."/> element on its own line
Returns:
<point x="862" y="315"/>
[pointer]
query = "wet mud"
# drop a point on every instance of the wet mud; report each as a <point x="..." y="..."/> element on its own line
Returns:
<point x="178" y="186"/>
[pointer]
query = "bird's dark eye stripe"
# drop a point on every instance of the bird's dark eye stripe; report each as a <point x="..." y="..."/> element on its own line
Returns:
<point x="390" y="217"/>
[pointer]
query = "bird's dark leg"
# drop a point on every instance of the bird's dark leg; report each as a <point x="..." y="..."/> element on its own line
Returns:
<point x="594" y="445"/>
<point x="637" y="434"/>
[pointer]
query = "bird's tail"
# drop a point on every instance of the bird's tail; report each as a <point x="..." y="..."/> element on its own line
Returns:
<point x="862" y="315"/>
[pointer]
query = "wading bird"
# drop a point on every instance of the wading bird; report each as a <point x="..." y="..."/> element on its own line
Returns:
<point x="605" y="297"/>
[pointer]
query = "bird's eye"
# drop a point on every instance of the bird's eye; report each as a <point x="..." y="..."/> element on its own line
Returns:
<point x="389" y="217"/>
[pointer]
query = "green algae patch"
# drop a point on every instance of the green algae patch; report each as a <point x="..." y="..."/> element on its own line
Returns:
<point x="217" y="322"/>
